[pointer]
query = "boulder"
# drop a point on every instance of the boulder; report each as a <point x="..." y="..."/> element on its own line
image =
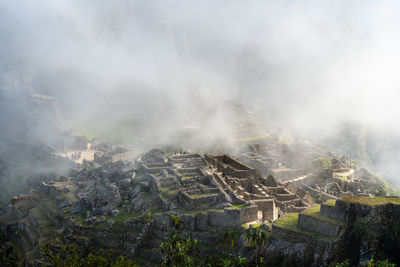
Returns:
<point x="124" y="183"/>
<point x="115" y="213"/>
<point x="164" y="172"/>
<point x="110" y="223"/>
<point x="64" y="203"/>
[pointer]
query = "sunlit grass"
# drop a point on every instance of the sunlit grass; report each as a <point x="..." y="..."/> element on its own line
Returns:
<point x="239" y="206"/>
<point x="289" y="222"/>
<point x="330" y="202"/>
<point x="371" y="201"/>
<point x="314" y="211"/>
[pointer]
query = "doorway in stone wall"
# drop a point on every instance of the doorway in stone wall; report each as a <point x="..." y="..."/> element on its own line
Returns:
<point x="260" y="215"/>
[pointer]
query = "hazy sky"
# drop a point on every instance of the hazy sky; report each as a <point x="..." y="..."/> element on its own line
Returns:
<point x="308" y="65"/>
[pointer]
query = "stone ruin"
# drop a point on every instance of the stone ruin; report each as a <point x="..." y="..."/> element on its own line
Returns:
<point x="247" y="184"/>
<point x="105" y="203"/>
<point x="291" y="165"/>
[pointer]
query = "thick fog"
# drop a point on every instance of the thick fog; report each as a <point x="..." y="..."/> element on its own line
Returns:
<point x="147" y="69"/>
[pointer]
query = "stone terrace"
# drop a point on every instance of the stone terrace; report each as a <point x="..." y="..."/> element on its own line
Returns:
<point x="247" y="184"/>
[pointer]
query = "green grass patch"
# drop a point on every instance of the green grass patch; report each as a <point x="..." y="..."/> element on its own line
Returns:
<point x="289" y="222"/>
<point x="245" y="226"/>
<point x="239" y="206"/>
<point x="330" y="202"/>
<point x="187" y="175"/>
<point x="314" y="211"/>
<point x="119" y="222"/>
<point x="321" y="162"/>
<point x="371" y="201"/>
<point x="202" y="195"/>
<point x="44" y="222"/>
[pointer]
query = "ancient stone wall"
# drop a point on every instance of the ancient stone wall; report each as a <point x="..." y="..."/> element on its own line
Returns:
<point x="322" y="227"/>
<point x="155" y="167"/>
<point x="332" y="212"/>
<point x="248" y="214"/>
<point x="232" y="217"/>
<point x="313" y="192"/>
<point x="279" y="233"/>
<point x="192" y="201"/>
<point x="287" y="174"/>
<point x="267" y="206"/>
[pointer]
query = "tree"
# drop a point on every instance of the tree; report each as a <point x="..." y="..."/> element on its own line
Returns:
<point x="262" y="234"/>
<point x="230" y="234"/>
<point x="177" y="250"/>
<point x="256" y="236"/>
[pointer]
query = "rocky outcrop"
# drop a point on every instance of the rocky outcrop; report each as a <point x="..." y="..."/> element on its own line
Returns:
<point x="154" y="156"/>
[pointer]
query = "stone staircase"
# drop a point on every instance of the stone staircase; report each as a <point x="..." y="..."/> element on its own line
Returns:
<point x="259" y="191"/>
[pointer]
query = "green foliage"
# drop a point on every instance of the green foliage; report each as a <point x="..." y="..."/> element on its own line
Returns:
<point x="177" y="250"/>
<point x="389" y="245"/>
<point x="383" y="188"/>
<point x="68" y="256"/>
<point x="373" y="263"/>
<point x="257" y="237"/>
<point x="345" y="263"/>
<point x="224" y="260"/>
<point x="148" y="217"/>
<point x="231" y="235"/>
<point x="7" y="257"/>
<point x="321" y="163"/>
<point x="123" y="262"/>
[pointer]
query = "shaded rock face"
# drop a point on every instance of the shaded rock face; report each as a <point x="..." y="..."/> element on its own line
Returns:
<point x="106" y="196"/>
<point x="271" y="182"/>
<point x="154" y="156"/>
<point x="99" y="187"/>
<point x="371" y="230"/>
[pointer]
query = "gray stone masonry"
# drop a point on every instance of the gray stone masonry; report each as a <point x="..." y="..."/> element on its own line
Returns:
<point x="322" y="227"/>
<point x="332" y="212"/>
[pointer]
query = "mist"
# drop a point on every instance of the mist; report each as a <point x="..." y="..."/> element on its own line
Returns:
<point x="145" y="70"/>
